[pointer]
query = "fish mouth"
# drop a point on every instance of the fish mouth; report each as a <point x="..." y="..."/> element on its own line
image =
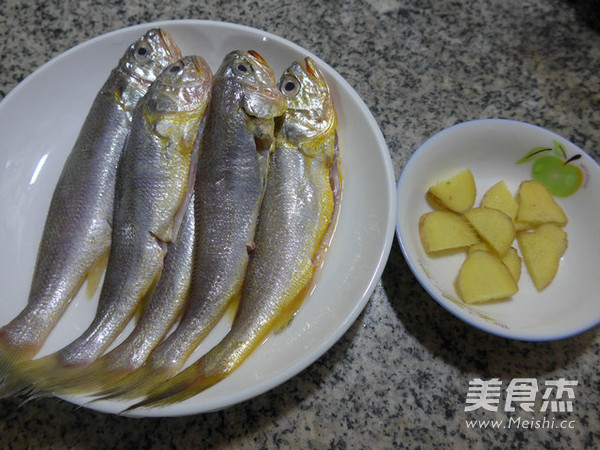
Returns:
<point x="263" y="104"/>
<point x="202" y="68"/>
<point x="308" y="67"/>
<point x="169" y="42"/>
<point x="258" y="57"/>
<point x="270" y="95"/>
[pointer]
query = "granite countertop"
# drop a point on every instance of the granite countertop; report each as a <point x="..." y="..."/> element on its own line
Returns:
<point x="400" y="375"/>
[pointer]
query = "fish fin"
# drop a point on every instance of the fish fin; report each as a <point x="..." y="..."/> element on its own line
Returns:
<point x="24" y="374"/>
<point x="288" y="312"/>
<point x="133" y="384"/>
<point x="12" y="380"/>
<point x="232" y="307"/>
<point x="143" y="303"/>
<point x="12" y="384"/>
<point x="184" y="385"/>
<point x="335" y="181"/>
<point x="49" y="376"/>
<point x="84" y="380"/>
<point x="88" y="379"/>
<point x="150" y="376"/>
<point x="94" y="274"/>
<point x="8" y="359"/>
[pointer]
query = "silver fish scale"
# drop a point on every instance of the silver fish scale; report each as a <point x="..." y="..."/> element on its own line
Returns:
<point x="77" y="219"/>
<point x="150" y="189"/>
<point x="230" y="183"/>
<point x="77" y="229"/>
<point x="164" y="305"/>
<point x="284" y="248"/>
<point x="229" y="187"/>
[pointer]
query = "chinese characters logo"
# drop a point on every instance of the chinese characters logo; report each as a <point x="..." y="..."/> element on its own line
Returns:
<point x="556" y="395"/>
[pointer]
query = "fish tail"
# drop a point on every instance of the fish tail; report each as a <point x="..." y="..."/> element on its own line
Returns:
<point x="7" y="360"/>
<point x="12" y="384"/>
<point x="11" y="355"/>
<point x="10" y="358"/>
<point x="47" y="375"/>
<point x="82" y="380"/>
<point x="184" y="385"/>
<point x="20" y="377"/>
<point x="133" y="384"/>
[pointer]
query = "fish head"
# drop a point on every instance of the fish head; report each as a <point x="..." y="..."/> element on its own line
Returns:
<point x="310" y="111"/>
<point x="252" y="78"/>
<point x="177" y="100"/>
<point x="142" y="62"/>
<point x="149" y="55"/>
<point x="182" y="86"/>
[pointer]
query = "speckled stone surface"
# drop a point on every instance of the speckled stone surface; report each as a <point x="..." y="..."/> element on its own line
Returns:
<point x="399" y="377"/>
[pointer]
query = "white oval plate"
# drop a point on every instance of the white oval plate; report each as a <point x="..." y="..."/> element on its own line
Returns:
<point x="39" y="121"/>
<point x="491" y="148"/>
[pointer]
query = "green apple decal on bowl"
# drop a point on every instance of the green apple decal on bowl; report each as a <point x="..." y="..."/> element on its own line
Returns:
<point x="555" y="171"/>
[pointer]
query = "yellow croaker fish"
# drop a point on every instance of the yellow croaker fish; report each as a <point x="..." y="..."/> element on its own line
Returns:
<point x="77" y="231"/>
<point x="153" y="183"/>
<point x="232" y="167"/>
<point x="297" y="213"/>
<point x="160" y="313"/>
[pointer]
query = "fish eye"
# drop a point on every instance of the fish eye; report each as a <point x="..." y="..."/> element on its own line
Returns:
<point x="141" y="52"/>
<point x="175" y="69"/>
<point x="241" y="67"/>
<point x="289" y="86"/>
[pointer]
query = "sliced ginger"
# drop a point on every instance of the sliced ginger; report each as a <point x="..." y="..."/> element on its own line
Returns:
<point x="484" y="277"/>
<point x="537" y="206"/>
<point x="457" y="193"/>
<point x="511" y="258"/>
<point x="513" y="261"/>
<point x="499" y="197"/>
<point x="494" y="227"/>
<point x="493" y="266"/>
<point x="445" y="230"/>
<point x="542" y="250"/>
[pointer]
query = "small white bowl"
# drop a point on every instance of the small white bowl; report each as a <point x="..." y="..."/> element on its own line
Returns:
<point x="491" y="148"/>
